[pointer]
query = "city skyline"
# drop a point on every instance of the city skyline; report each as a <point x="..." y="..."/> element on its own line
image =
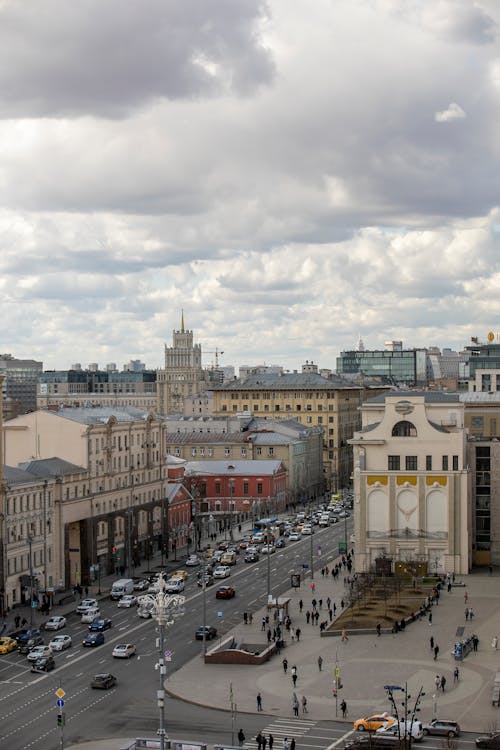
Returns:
<point x="292" y="176"/>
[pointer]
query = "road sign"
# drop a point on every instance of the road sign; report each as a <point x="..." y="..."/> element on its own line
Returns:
<point x="60" y="703"/>
<point x="393" y="687"/>
<point x="168" y="655"/>
<point x="34" y="604"/>
<point x="305" y="566"/>
<point x="60" y="693"/>
<point x="342" y="548"/>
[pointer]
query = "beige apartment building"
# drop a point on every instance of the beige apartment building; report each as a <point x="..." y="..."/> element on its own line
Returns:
<point x="412" y="484"/>
<point x="330" y="404"/>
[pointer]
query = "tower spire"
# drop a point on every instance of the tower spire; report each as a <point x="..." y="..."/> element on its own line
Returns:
<point x="182" y="321"/>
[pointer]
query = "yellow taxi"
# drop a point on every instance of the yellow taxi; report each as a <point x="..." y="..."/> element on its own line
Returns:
<point x="374" y="722"/>
<point x="180" y="574"/>
<point x="7" y="644"/>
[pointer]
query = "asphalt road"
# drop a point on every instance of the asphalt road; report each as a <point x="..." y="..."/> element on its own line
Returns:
<point x="28" y="710"/>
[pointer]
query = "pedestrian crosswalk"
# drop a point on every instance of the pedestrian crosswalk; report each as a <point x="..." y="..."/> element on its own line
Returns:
<point x="281" y="728"/>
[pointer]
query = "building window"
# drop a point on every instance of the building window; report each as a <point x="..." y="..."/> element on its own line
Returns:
<point x="320" y="420"/>
<point x="224" y="407"/>
<point x="393" y="463"/>
<point x="217" y="488"/>
<point x="256" y="407"/>
<point x="266" y="407"/>
<point x="445" y="463"/>
<point x="428" y="463"/>
<point x="193" y="451"/>
<point x="455" y="463"/>
<point x="411" y="463"/>
<point x="330" y="420"/>
<point x="227" y="451"/>
<point x="259" y="451"/>
<point x="202" y="451"/>
<point x="259" y="488"/>
<point x="271" y="451"/>
<point x="244" y="452"/>
<point x="404" y="429"/>
<point x="210" y="451"/>
<point x="276" y="407"/>
<point x="245" y="488"/>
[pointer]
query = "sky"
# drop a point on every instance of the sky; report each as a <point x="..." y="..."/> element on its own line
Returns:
<point x="293" y="174"/>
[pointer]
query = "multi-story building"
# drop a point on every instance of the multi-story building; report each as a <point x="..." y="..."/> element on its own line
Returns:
<point x="331" y="404"/>
<point x="411" y="483"/>
<point x="75" y="388"/>
<point x="20" y="379"/>
<point x="394" y="366"/>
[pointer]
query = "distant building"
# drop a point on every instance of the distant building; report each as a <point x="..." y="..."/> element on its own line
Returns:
<point x="85" y="388"/>
<point x="20" y="380"/>
<point x="392" y="366"/>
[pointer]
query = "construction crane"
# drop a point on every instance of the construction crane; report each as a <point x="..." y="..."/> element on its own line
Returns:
<point x="217" y="353"/>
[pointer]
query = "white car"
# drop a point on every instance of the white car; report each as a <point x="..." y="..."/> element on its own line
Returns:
<point x="294" y="536"/>
<point x="128" y="601"/>
<point x="90" y="615"/>
<point x="268" y="549"/>
<point x="60" y="642"/>
<point x="38" y="652"/>
<point x="55" y="623"/>
<point x="86" y="604"/>
<point x="174" y="585"/>
<point x="222" y="571"/>
<point x="193" y="561"/>
<point x="124" y="650"/>
<point x="306" y="530"/>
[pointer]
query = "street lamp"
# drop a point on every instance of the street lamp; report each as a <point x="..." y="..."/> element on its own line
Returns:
<point x="164" y="608"/>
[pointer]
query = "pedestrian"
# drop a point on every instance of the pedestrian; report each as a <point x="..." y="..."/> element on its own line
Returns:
<point x="258" y="739"/>
<point x="263" y="626"/>
<point x="330" y="614"/>
<point x="490" y="569"/>
<point x="443" y="683"/>
<point x="334" y="607"/>
<point x="308" y="616"/>
<point x="430" y="618"/>
<point x="245" y="617"/>
<point x="314" y="604"/>
<point x="320" y="663"/>
<point x="341" y="604"/>
<point x="475" y="642"/>
<point x="285" y="744"/>
<point x="437" y="681"/>
<point x="270" y="741"/>
<point x="294" y="678"/>
<point x="466" y="596"/>
<point x="467" y="613"/>
<point x="455" y="675"/>
<point x="285" y="664"/>
<point x="328" y="602"/>
<point x="17" y="621"/>
<point x="431" y="641"/>
<point x="304" y="705"/>
<point x="322" y="572"/>
<point x="320" y="603"/>
<point x="250" y="618"/>
<point x="264" y="742"/>
<point x="494" y="642"/>
<point x="344" y="637"/>
<point x="259" y="702"/>
<point x="292" y="633"/>
<point x="343" y="708"/>
<point x="316" y="617"/>
<point x="449" y="587"/>
<point x="269" y="636"/>
<point x="301" y="604"/>
<point x="436" y="651"/>
<point x="378" y="628"/>
<point x="86" y="591"/>
<point x="241" y="738"/>
<point x="471" y="613"/>
<point x="24" y="622"/>
<point x="295" y="706"/>
<point x="292" y="744"/>
<point x="297" y="634"/>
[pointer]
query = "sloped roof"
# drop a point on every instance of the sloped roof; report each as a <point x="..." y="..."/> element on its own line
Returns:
<point x="12" y="475"/>
<point x="51" y="467"/>
<point x="287" y="381"/>
<point x="244" y="468"/>
<point x="101" y="414"/>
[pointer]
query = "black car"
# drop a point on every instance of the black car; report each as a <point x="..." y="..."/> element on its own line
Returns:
<point x="209" y="580"/>
<point x="210" y="632"/>
<point x="251" y="557"/>
<point x="25" y="634"/>
<point x="100" y="624"/>
<point x="43" y="664"/>
<point x="491" y="742"/>
<point x="93" y="639"/>
<point x="26" y="646"/>
<point x="103" y="681"/>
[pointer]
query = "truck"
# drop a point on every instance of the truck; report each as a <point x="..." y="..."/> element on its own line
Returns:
<point x="121" y="588"/>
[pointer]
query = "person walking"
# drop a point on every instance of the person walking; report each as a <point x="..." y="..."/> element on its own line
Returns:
<point x="430" y="618"/>
<point x="301" y="604"/>
<point x="263" y="625"/>
<point x="297" y="634"/>
<point x="344" y="637"/>
<point x="471" y="613"/>
<point x="304" y="705"/>
<point x="286" y="746"/>
<point x="264" y="742"/>
<point x="494" y="642"/>
<point x="431" y="641"/>
<point x="241" y="738"/>
<point x="245" y="617"/>
<point x="378" y="629"/>
<point x="292" y="744"/>
<point x="436" y="651"/>
<point x="456" y="674"/>
<point x="320" y="663"/>
<point x="437" y="682"/>
<point x="258" y="740"/>
<point x="343" y="708"/>
<point x="467" y="613"/>
<point x="259" y="702"/>
<point x="294" y="678"/>
<point x="285" y="665"/>
<point x="443" y="683"/>
<point x="295" y="705"/>
<point x="270" y="741"/>
<point x="475" y="642"/>
<point x="466" y="597"/>
<point x="308" y="616"/>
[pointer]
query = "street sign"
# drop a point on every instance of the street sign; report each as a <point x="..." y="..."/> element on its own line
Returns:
<point x="305" y="566"/>
<point x="342" y="548"/>
<point x="168" y="655"/>
<point x="60" y="692"/>
<point x="60" y="703"/>
<point x="219" y="614"/>
<point x="393" y="687"/>
<point x="34" y="604"/>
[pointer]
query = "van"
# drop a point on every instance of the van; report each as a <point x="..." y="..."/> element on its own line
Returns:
<point x="121" y="588"/>
<point x="228" y="558"/>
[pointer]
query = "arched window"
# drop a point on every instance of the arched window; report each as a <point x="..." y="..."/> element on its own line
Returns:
<point x="404" y="429"/>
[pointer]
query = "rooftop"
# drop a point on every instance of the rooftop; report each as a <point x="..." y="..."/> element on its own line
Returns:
<point x="244" y="468"/>
<point x="286" y="381"/>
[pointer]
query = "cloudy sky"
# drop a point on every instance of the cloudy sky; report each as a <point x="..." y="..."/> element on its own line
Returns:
<point x="292" y="173"/>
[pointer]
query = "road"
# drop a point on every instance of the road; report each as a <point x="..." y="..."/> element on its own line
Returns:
<point x="28" y="702"/>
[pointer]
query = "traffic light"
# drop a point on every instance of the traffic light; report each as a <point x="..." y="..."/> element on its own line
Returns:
<point x="60" y="719"/>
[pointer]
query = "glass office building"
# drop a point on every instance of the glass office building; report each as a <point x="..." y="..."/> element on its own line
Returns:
<point x="405" y="367"/>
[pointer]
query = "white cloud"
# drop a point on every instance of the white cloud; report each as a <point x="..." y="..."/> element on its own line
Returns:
<point x="453" y="112"/>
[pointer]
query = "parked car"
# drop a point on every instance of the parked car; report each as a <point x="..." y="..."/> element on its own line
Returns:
<point x="442" y="727"/>
<point x="100" y="624"/>
<point x="43" y="664"/>
<point x="222" y="571"/>
<point x="124" y="651"/>
<point x="38" y="652"/>
<point x="7" y="645"/>
<point x="129" y="600"/>
<point x="490" y="742"/>
<point x="225" y="592"/>
<point x="86" y="604"/>
<point x="93" y="639"/>
<point x="60" y="642"/>
<point x="103" y="681"/>
<point x="26" y="646"/>
<point x="90" y="615"/>
<point x="55" y="623"/>
<point x="374" y="722"/>
<point x="210" y="632"/>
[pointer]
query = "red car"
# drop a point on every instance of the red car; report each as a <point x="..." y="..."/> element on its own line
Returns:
<point x="225" y="592"/>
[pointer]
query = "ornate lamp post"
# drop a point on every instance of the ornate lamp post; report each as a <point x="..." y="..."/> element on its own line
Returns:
<point x="165" y="608"/>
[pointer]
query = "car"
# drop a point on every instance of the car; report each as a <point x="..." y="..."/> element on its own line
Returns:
<point x="268" y="549"/>
<point x="128" y="601"/>
<point x="38" y="652"/>
<point x="174" y="585"/>
<point x="93" y="639"/>
<point x="90" y="615"/>
<point x="124" y="651"/>
<point x="374" y="722"/>
<point x="442" y="727"/>
<point x="193" y="561"/>
<point x="55" y="623"/>
<point x="393" y="730"/>
<point x="225" y="592"/>
<point x="43" y="664"/>
<point x="21" y="636"/>
<point x="103" y="681"/>
<point x="222" y="571"/>
<point x="86" y="604"/>
<point x="294" y="536"/>
<point x="100" y="624"/>
<point x="208" y="578"/>
<point x="145" y="610"/>
<point x="180" y="574"/>
<point x="7" y="645"/>
<point x="251" y="557"/>
<point x="26" y="646"/>
<point x="210" y="632"/>
<point x="490" y="742"/>
<point x="280" y="543"/>
<point x="223" y="546"/>
<point x="306" y="530"/>
<point x="60" y="642"/>
<point x="244" y="543"/>
<point x="140" y="584"/>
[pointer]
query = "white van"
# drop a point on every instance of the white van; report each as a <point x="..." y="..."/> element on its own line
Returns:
<point x="121" y="588"/>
